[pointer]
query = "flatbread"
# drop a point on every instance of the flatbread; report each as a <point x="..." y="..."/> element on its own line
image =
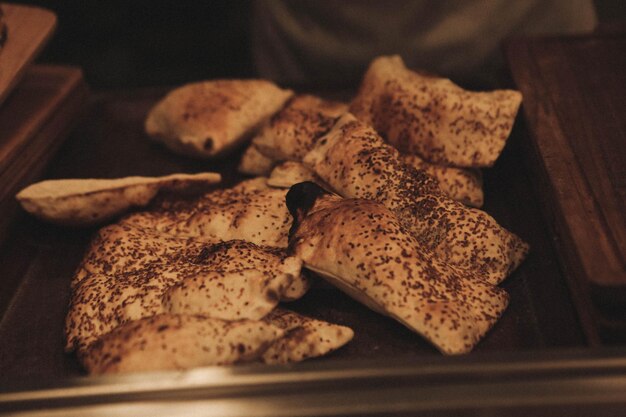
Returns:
<point x="83" y="202"/>
<point x="291" y="133"/>
<point x="210" y="118"/>
<point x="253" y="162"/>
<point x="247" y="213"/>
<point x="121" y="247"/>
<point x="363" y="249"/>
<point x="130" y="273"/>
<point x="433" y="117"/>
<point x="304" y="337"/>
<point x="288" y="173"/>
<point x="464" y="185"/>
<point x="355" y="161"/>
<point x="177" y="342"/>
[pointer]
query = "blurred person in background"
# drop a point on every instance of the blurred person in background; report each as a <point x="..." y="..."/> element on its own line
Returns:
<point x="329" y="43"/>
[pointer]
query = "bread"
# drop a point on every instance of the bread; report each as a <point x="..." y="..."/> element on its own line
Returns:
<point x="356" y="163"/>
<point x="268" y="272"/>
<point x="210" y="118"/>
<point x="288" y="173"/>
<point x="91" y="201"/>
<point x="433" y="117"/>
<point x="253" y="162"/>
<point x="249" y="213"/>
<point x="363" y="249"/>
<point x="464" y="185"/>
<point x="131" y="273"/>
<point x="120" y="247"/>
<point x="291" y="133"/>
<point x="304" y="337"/>
<point x="177" y="342"/>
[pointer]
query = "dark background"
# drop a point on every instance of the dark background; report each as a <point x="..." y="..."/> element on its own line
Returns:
<point x="137" y="43"/>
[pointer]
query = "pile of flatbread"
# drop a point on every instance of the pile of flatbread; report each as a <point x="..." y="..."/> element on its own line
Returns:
<point x="379" y="197"/>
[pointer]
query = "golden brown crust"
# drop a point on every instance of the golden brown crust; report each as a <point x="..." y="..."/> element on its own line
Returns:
<point x="433" y="117"/>
<point x="288" y="173"/>
<point x="292" y="132"/>
<point x="360" y="246"/>
<point x="356" y="163"/>
<point x="248" y="213"/>
<point x="304" y="337"/>
<point x="253" y="162"/>
<point x="82" y="202"/>
<point x="176" y="342"/>
<point x="209" y="118"/>
<point x="464" y="185"/>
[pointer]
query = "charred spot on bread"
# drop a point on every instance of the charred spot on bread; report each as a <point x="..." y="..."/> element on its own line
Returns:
<point x="300" y="199"/>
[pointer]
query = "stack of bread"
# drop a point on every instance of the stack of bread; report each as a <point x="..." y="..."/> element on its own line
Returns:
<point x="379" y="197"/>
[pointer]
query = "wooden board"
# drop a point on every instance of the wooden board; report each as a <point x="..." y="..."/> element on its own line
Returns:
<point x="33" y="122"/>
<point x="29" y="28"/>
<point x="575" y="106"/>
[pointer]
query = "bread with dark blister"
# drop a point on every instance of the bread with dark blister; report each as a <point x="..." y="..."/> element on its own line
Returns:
<point x="363" y="249"/>
<point x="292" y="132"/>
<point x="356" y="162"/>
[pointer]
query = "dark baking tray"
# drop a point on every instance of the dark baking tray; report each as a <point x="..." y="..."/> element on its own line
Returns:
<point x="38" y="259"/>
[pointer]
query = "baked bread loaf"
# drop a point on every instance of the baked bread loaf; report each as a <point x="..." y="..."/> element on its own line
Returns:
<point x="120" y="247"/>
<point x="433" y="117"/>
<point x="304" y="337"/>
<point x="363" y="249"/>
<point x="288" y="173"/>
<point x="210" y="118"/>
<point x="3" y="29"/>
<point x="291" y="133"/>
<point x="253" y="162"/>
<point x="461" y="184"/>
<point x="83" y="202"/>
<point x="176" y="342"/>
<point x="130" y="274"/>
<point x="355" y="161"/>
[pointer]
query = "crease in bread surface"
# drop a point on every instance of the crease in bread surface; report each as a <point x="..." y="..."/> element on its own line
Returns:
<point x="361" y="246"/>
<point x="210" y="118"/>
<point x="356" y="162"/>
<point x="433" y="117"/>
